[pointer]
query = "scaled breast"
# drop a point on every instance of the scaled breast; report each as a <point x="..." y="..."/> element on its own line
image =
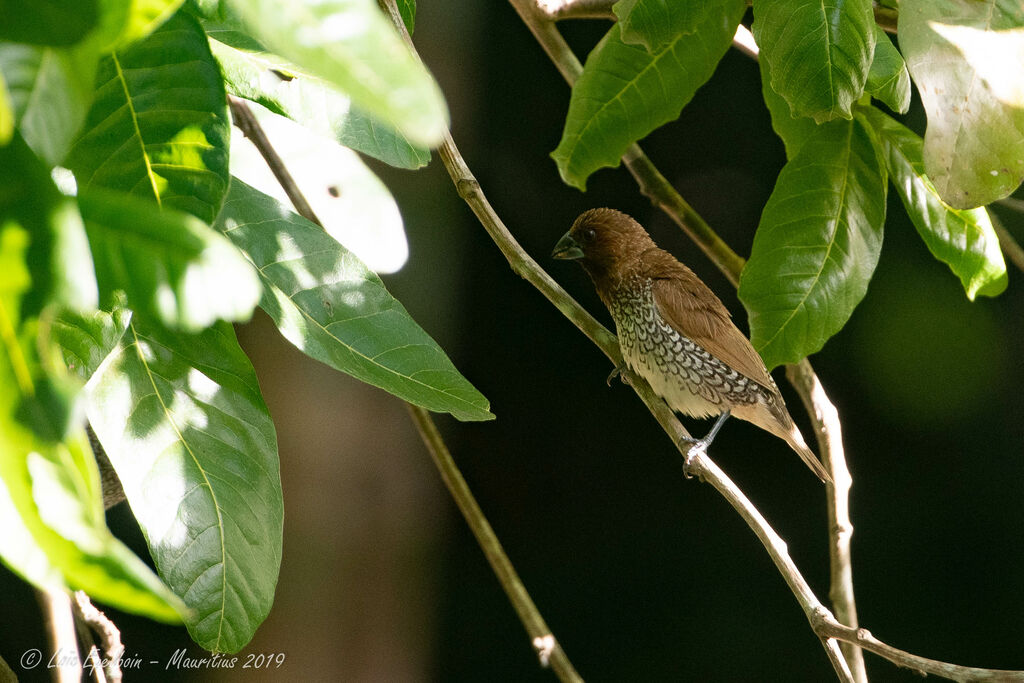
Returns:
<point x="689" y="378"/>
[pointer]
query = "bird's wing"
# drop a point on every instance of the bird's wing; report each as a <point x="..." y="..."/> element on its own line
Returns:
<point x="694" y="311"/>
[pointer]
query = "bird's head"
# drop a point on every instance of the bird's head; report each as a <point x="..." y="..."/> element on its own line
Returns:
<point x="604" y="241"/>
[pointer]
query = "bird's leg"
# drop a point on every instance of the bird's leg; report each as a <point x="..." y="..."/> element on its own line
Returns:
<point x="616" y="372"/>
<point x="701" y="445"/>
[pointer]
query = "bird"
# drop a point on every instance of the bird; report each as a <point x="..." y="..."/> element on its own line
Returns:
<point x="675" y="333"/>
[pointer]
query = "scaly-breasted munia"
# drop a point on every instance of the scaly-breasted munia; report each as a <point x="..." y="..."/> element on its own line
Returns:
<point x="675" y="333"/>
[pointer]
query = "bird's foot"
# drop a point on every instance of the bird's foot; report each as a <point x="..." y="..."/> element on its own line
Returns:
<point x="694" y="447"/>
<point x="618" y="371"/>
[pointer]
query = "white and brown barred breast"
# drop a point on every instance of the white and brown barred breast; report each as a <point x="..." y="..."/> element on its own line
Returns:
<point x="679" y="370"/>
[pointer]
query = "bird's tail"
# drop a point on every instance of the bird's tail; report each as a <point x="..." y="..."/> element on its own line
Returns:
<point x="796" y="441"/>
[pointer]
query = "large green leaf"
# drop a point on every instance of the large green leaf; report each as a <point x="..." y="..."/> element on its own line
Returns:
<point x="353" y="45"/>
<point x="6" y="112"/>
<point x="172" y="266"/>
<point x="51" y="90"/>
<point x="817" y="244"/>
<point x="889" y="80"/>
<point x="819" y="52"/>
<point x="282" y="88"/>
<point x="46" y="22"/>
<point x="792" y="130"/>
<point x="656" y="23"/>
<point x="353" y="205"/>
<point x="327" y="303"/>
<point x="159" y="127"/>
<point x="625" y="92"/>
<point x="965" y="240"/>
<point x="967" y="59"/>
<point x="50" y="502"/>
<point x="183" y="422"/>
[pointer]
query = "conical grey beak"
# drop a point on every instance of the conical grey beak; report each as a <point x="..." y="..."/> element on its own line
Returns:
<point x="567" y="249"/>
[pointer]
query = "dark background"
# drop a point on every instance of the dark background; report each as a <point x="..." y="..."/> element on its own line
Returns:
<point x="642" y="574"/>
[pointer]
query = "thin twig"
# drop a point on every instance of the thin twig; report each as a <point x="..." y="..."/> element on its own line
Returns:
<point x="549" y="651"/>
<point x="66" y="664"/>
<point x="557" y="10"/>
<point x="109" y="635"/>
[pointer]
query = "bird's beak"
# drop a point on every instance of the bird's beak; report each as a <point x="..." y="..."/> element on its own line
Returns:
<point x="567" y="249"/>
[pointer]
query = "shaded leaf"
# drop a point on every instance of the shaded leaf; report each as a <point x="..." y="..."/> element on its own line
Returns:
<point x="963" y="239"/>
<point x="793" y="131"/>
<point x="183" y="422"/>
<point x="159" y="126"/>
<point x="817" y="245"/>
<point x="353" y="205"/>
<point x="327" y="303"/>
<point x="282" y="88"/>
<point x="819" y="53"/>
<point x="353" y="45"/>
<point x="407" y="8"/>
<point x="46" y="22"/>
<point x="656" y="23"/>
<point x="172" y="266"/>
<point x="967" y="59"/>
<point x="889" y="80"/>
<point x="51" y="90"/>
<point x="626" y="92"/>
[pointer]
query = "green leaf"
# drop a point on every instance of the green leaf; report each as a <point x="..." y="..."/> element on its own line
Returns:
<point x="159" y="126"/>
<point x="51" y="90"/>
<point x="889" y="80"/>
<point x="133" y="20"/>
<point x="86" y="339"/>
<point x="353" y="45"/>
<point x="46" y="22"/>
<point x="793" y="131"/>
<point x="282" y="88"/>
<point x="817" y="244"/>
<point x="967" y="59"/>
<point x="353" y="205"/>
<point x="50" y="500"/>
<point x="172" y="266"/>
<point x="326" y="302"/>
<point x="656" y="23"/>
<point x="184" y="424"/>
<point x="819" y="53"/>
<point x="57" y="254"/>
<point x="625" y="92"/>
<point x="965" y="240"/>
<point x="407" y="8"/>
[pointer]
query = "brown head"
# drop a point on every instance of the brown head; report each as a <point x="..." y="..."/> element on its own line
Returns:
<point x="606" y="242"/>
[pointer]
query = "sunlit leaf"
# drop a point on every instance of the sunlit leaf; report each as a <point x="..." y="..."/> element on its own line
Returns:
<point x="967" y="59"/>
<point x="183" y="422"/>
<point x="963" y="239"/>
<point x="327" y="303"/>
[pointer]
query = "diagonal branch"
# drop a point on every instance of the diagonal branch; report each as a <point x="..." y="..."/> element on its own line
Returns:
<point x="549" y="651"/>
<point x="823" y="623"/>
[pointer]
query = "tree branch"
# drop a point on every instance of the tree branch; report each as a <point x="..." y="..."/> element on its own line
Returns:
<point x="556" y="10"/>
<point x="549" y="651"/>
<point x="1011" y="248"/>
<point x="60" y="631"/>
<point x="824" y="624"/>
<point x="109" y="635"/>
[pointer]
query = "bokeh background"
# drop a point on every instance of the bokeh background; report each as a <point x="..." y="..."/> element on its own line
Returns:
<point x="642" y="574"/>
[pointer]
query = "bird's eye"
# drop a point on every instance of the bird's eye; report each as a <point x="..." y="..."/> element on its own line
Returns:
<point x="589" y="235"/>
